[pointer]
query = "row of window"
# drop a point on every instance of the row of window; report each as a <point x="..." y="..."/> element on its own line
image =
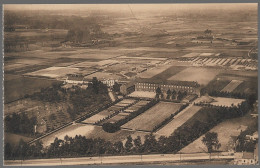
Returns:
<point x="146" y="85"/>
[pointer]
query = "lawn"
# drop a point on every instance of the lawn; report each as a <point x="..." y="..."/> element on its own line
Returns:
<point x="232" y="86"/>
<point x="142" y="94"/>
<point x="178" y="120"/>
<point x="152" y="117"/>
<point x="202" y="75"/>
<point x="226" y="130"/>
<point x="222" y="101"/>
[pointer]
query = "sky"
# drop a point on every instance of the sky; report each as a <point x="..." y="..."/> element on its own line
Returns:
<point x="120" y="7"/>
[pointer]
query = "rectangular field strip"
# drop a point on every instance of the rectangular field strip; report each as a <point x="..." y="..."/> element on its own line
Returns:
<point x="231" y="86"/>
<point x="152" y="117"/>
<point x="178" y="120"/>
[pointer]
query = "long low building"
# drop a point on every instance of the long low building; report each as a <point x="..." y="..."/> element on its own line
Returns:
<point x="189" y="87"/>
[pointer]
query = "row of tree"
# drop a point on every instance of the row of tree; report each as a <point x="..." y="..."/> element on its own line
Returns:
<point x="171" y="94"/>
<point x="184" y="135"/>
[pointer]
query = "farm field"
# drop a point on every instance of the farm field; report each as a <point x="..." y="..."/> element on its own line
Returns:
<point x="152" y="117"/>
<point x="54" y="72"/>
<point x="226" y="130"/>
<point x="105" y="75"/>
<point x="178" y="120"/>
<point x="231" y="86"/>
<point x="153" y="71"/>
<point x="163" y="76"/>
<point x="202" y="75"/>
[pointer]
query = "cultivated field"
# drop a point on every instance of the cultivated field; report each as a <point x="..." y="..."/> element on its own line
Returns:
<point x="153" y="71"/>
<point x="152" y="117"/>
<point x="231" y="86"/>
<point x="54" y="72"/>
<point x="136" y="106"/>
<point x="178" y="120"/>
<point x="105" y="75"/>
<point x="202" y="75"/>
<point x="117" y="117"/>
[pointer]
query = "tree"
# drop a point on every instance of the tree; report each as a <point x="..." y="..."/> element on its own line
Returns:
<point x="138" y="144"/>
<point x="168" y="94"/>
<point x="173" y="94"/>
<point x="111" y="128"/>
<point x="158" y="92"/>
<point x="211" y="141"/>
<point x="118" y="147"/>
<point x="129" y="144"/>
<point x="116" y="87"/>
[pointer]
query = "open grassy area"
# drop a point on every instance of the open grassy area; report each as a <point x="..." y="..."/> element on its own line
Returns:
<point x="226" y="130"/>
<point x="202" y="75"/>
<point x="152" y="117"/>
<point x="178" y="120"/>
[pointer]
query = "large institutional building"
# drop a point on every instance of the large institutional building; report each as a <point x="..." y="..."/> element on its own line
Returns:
<point x="189" y="87"/>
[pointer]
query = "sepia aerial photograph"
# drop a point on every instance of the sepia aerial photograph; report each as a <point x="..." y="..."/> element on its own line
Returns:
<point x="130" y="84"/>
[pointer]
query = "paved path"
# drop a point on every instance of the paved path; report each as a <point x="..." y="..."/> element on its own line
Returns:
<point x="119" y="159"/>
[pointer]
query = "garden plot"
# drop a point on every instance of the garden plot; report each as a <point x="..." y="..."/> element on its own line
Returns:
<point x="114" y="108"/>
<point x="202" y="75"/>
<point x="231" y="86"/>
<point x="54" y="72"/>
<point x="117" y="117"/>
<point x="219" y="101"/>
<point x="209" y="60"/>
<point x="222" y="101"/>
<point x="142" y="94"/>
<point x="237" y="61"/>
<point x="178" y="120"/>
<point x="136" y="106"/>
<point x="97" y="117"/>
<point x="232" y="61"/>
<point x="153" y="71"/>
<point x="152" y="117"/>
<point x="221" y="62"/>
<point x="225" y="63"/>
